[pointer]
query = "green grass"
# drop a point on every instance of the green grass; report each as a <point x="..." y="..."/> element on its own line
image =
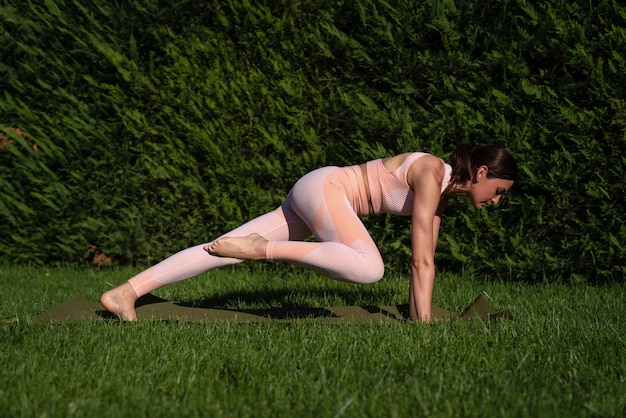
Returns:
<point x="562" y="354"/>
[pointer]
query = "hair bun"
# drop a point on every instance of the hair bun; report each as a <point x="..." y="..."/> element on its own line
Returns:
<point x="466" y="159"/>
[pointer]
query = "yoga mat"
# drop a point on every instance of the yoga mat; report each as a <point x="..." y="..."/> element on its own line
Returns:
<point x="152" y="307"/>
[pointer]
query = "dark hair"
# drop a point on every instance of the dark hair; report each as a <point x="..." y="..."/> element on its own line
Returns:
<point x="466" y="159"/>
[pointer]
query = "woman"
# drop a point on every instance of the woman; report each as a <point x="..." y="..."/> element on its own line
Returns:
<point x="328" y="203"/>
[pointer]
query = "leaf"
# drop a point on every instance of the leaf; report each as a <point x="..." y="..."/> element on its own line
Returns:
<point x="53" y="8"/>
<point x="369" y="103"/>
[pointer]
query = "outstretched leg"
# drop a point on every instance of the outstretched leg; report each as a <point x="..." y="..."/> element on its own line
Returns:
<point x="279" y="224"/>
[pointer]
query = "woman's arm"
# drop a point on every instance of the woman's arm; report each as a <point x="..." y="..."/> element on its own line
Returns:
<point x="426" y="176"/>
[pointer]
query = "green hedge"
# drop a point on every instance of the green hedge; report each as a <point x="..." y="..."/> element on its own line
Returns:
<point x="145" y="128"/>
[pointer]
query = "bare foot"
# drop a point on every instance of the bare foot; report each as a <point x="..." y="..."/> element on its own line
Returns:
<point x="121" y="302"/>
<point x="251" y="247"/>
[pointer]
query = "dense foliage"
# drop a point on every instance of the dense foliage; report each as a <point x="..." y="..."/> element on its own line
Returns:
<point x="133" y="129"/>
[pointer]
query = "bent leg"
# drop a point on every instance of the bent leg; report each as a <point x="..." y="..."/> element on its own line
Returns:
<point x="346" y="251"/>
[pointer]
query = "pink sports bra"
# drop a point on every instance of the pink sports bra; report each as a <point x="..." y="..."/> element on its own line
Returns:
<point x="390" y="191"/>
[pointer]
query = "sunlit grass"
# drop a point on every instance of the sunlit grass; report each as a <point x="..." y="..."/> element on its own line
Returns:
<point x="560" y="355"/>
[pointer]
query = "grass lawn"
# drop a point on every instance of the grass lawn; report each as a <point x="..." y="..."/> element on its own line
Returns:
<point x="562" y="354"/>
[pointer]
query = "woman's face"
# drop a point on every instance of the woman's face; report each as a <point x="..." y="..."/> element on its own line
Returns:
<point x="487" y="191"/>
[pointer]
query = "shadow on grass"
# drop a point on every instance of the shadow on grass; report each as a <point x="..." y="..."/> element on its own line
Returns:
<point x="293" y="311"/>
<point x="287" y="298"/>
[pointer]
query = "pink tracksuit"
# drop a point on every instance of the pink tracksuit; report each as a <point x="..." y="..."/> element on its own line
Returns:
<point x="326" y="203"/>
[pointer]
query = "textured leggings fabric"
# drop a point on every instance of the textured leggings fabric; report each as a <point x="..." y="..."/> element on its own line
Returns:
<point x="325" y="203"/>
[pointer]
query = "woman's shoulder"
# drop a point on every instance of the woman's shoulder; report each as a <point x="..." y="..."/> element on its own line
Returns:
<point x="424" y="160"/>
<point x="427" y="164"/>
<point x="405" y="159"/>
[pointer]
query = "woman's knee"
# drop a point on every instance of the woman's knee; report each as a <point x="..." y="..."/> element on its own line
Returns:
<point x="371" y="273"/>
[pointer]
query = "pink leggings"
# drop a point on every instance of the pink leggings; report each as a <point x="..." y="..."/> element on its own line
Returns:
<point x="320" y="204"/>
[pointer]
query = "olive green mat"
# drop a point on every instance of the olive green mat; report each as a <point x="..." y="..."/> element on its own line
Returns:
<point x="152" y="307"/>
